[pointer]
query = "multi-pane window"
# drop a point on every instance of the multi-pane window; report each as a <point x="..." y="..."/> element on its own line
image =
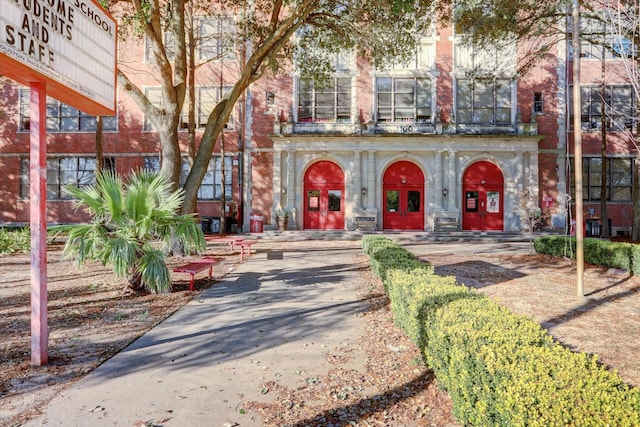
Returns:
<point x="63" y="118"/>
<point x="619" y="107"/>
<point x="152" y="164"/>
<point x="169" y="41"/>
<point x="596" y="39"/>
<point x="328" y="103"/>
<point x="211" y="186"/>
<point x="62" y="171"/>
<point x="619" y="183"/>
<point x="538" y="105"/>
<point x="403" y="99"/>
<point x="499" y="59"/>
<point x="205" y="102"/>
<point x="483" y="101"/>
<point x="216" y="38"/>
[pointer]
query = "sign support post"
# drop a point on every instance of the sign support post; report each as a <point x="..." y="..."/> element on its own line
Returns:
<point x="38" y="220"/>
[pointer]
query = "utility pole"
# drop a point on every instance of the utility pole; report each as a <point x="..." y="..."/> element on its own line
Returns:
<point x="577" y="151"/>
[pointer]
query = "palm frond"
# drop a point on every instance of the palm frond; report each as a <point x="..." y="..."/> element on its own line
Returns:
<point x="153" y="269"/>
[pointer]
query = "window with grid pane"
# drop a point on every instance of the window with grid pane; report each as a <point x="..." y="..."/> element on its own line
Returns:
<point x="403" y="99"/>
<point x="63" y="118"/>
<point x="206" y="100"/>
<point x="169" y="41"/>
<point x="619" y="105"/>
<point x="216" y="38"/>
<point x="61" y="171"/>
<point x="619" y="183"/>
<point x="483" y="101"/>
<point x="325" y="103"/>
<point x="211" y="186"/>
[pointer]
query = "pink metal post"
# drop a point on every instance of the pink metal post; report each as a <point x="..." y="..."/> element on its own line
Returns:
<point x="38" y="218"/>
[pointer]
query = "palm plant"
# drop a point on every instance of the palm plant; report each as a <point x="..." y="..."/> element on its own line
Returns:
<point x="132" y="222"/>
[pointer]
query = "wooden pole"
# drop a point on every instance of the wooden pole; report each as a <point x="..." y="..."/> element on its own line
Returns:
<point x="38" y="220"/>
<point x="577" y="143"/>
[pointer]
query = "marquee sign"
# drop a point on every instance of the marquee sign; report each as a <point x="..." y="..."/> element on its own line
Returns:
<point x="69" y="45"/>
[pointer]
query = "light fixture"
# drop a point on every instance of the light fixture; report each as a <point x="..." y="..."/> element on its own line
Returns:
<point x="445" y="192"/>
<point x="284" y="190"/>
<point x="364" y="191"/>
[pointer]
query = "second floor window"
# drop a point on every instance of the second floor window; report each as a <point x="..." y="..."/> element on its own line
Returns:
<point x="619" y="107"/>
<point x="63" y="118"/>
<point x="205" y="102"/>
<point x="216" y="38"/>
<point x="483" y="101"/>
<point x="403" y="99"/>
<point x="330" y="103"/>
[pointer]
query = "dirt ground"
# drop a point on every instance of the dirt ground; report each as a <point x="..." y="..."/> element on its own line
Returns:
<point x="90" y="320"/>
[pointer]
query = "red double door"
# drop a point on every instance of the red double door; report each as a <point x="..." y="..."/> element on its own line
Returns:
<point x="324" y="197"/>
<point x="403" y="197"/>
<point x="483" y="198"/>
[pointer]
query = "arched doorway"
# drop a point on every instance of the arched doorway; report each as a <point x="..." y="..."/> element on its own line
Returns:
<point x="403" y="197"/>
<point x="483" y="192"/>
<point x="324" y="197"/>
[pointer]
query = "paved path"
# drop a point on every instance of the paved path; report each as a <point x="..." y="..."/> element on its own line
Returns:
<point x="270" y="318"/>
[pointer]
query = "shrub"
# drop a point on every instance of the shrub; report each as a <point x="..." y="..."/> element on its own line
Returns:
<point x="501" y="369"/>
<point x="15" y="240"/>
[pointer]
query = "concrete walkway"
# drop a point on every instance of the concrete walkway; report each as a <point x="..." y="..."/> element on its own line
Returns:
<point x="269" y="319"/>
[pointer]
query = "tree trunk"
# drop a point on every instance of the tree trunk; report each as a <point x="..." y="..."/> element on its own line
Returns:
<point x="635" y="231"/>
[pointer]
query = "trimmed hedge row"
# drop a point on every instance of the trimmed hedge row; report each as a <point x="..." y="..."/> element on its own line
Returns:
<point x="500" y="369"/>
<point x="596" y="251"/>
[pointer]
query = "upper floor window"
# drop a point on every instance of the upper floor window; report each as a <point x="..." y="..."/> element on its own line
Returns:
<point x="619" y="107"/>
<point x="328" y="103"/>
<point x="424" y="58"/>
<point x="169" y="40"/>
<point x="216" y="38"/>
<point x="211" y="186"/>
<point x="63" y="118"/>
<point x="619" y="182"/>
<point x="205" y="102"/>
<point x="492" y="60"/>
<point x="406" y="99"/>
<point x="483" y="101"/>
<point x="62" y="171"/>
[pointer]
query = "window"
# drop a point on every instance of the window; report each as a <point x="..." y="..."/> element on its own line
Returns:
<point x="169" y="47"/>
<point x="152" y="164"/>
<point x="619" y="107"/>
<point x="499" y="59"/>
<point x="403" y="99"/>
<point x="206" y="100"/>
<point x="325" y="104"/>
<point x="216" y="38"/>
<point x="537" y="103"/>
<point x="62" y="171"/>
<point x="596" y="39"/>
<point x="211" y="186"/>
<point x="63" y="118"/>
<point x="619" y="185"/>
<point x="483" y="101"/>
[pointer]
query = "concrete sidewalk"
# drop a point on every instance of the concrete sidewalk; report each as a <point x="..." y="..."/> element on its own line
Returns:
<point x="270" y="319"/>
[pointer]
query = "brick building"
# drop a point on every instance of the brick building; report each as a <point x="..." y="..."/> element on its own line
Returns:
<point x="456" y="139"/>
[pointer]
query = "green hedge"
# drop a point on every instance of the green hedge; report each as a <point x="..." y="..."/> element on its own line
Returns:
<point x="596" y="251"/>
<point x="500" y="369"/>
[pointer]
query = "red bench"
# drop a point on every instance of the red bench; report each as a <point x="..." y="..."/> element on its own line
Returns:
<point x="197" y="266"/>
<point x="231" y="240"/>
<point x="245" y="244"/>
